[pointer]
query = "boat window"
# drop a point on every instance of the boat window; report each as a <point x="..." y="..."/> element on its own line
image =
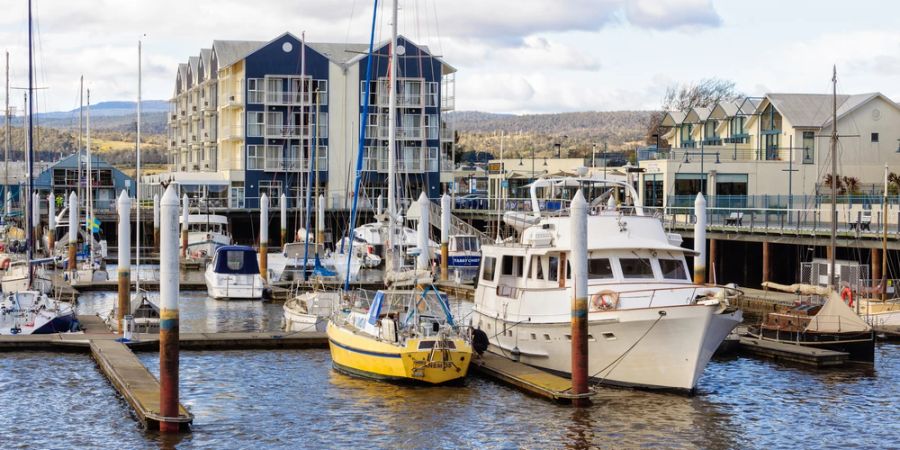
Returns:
<point x="235" y="260"/>
<point x="512" y="265"/>
<point x="487" y="272"/>
<point x="538" y="267"/>
<point x="673" y="269"/>
<point x="553" y="272"/>
<point x="636" y="267"/>
<point x="599" y="268"/>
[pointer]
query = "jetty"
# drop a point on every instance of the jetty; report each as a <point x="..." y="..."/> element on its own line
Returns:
<point x="531" y="380"/>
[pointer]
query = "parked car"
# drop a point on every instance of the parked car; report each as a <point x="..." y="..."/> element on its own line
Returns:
<point x="472" y="201"/>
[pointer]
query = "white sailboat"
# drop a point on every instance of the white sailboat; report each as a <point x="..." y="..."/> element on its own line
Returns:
<point x="649" y="326"/>
<point x="92" y="268"/>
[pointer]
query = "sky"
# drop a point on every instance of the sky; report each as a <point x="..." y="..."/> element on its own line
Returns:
<point x="512" y="56"/>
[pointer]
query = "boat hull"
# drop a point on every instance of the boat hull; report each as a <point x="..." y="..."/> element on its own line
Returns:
<point x="234" y="290"/>
<point x="361" y="355"/>
<point x="653" y="348"/>
<point x="860" y="346"/>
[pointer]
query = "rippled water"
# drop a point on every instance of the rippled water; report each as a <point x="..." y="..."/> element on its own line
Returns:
<point x="292" y="399"/>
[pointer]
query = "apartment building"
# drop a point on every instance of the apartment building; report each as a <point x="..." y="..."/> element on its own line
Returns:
<point x="252" y="117"/>
<point x="771" y="151"/>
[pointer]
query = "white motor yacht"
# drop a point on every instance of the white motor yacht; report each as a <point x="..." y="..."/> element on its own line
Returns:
<point x="206" y="233"/>
<point x="234" y="274"/>
<point x="15" y="277"/>
<point x="649" y="325"/>
<point x="310" y="311"/>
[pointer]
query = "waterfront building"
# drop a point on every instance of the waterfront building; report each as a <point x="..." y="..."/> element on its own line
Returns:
<point x="246" y="116"/>
<point x="62" y="177"/>
<point x="772" y="151"/>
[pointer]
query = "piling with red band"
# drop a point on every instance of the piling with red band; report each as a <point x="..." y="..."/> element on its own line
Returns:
<point x="156" y="223"/>
<point x="168" y="324"/>
<point x="74" y="226"/>
<point x="264" y="237"/>
<point x="579" y="257"/>
<point x="184" y="225"/>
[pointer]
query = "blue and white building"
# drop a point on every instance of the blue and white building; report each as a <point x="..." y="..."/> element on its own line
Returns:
<point x="247" y="116"/>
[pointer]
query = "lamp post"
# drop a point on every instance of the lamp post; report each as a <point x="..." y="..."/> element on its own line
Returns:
<point x="593" y="155"/>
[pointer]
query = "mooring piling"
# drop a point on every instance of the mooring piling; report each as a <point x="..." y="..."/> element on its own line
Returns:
<point x="264" y="236"/>
<point x="579" y="302"/>
<point x="51" y="223"/>
<point x="445" y="237"/>
<point x="156" y="223"/>
<point x="169" y="272"/>
<point x="185" y="208"/>
<point x="320" y="220"/>
<point x="424" y="258"/>
<point x="700" y="239"/>
<point x="124" y="270"/>
<point x="283" y="217"/>
<point x="74" y="226"/>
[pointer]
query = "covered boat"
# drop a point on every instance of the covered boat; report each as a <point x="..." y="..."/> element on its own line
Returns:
<point x="234" y="274"/>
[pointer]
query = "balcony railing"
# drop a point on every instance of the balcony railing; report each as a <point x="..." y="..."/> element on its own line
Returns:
<point x="232" y="132"/>
<point x="287" y="131"/>
<point x="410" y="132"/>
<point x="287" y="98"/>
<point x="720" y="153"/>
<point x="293" y="164"/>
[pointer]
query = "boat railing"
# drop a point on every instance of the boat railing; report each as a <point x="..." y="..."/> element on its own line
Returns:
<point x="691" y="294"/>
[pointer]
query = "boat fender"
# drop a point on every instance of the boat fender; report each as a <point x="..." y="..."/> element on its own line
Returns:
<point x="847" y="296"/>
<point x="604" y="300"/>
<point x="479" y="341"/>
<point x="4" y="263"/>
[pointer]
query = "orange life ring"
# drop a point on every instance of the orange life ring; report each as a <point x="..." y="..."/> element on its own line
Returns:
<point x="4" y="263"/>
<point x="604" y="300"/>
<point x="847" y="296"/>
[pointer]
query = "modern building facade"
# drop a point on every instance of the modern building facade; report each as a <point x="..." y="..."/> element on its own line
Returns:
<point x="772" y="151"/>
<point x="251" y="117"/>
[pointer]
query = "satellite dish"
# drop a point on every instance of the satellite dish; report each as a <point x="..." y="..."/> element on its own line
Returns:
<point x="401" y="50"/>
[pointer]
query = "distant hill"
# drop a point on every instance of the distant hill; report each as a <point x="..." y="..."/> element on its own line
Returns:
<point x="576" y="132"/>
<point x="106" y="109"/>
<point x="108" y="116"/>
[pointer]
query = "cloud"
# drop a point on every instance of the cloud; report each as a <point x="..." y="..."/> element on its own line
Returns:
<point x="672" y="14"/>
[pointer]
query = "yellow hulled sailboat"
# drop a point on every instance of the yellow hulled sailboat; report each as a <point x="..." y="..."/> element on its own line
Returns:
<point x="400" y="336"/>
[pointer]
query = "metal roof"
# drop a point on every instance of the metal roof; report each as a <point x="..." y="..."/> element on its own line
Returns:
<point x="230" y="52"/>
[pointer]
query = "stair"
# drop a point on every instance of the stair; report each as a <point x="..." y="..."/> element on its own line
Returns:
<point x="457" y="225"/>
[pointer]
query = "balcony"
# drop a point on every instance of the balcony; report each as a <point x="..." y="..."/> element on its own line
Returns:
<point x="209" y="137"/>
<point x="286" y="131"/>
<point x="232" y="101"/>
<point x="293" y="164"/>
<point x="209" y="107"/>
<point x="721" y="153"/>
<point x="410" y="133"/>
<point x="447" y="134"/>
<point x="233" y="132"/>
<point x="287" y="98"/>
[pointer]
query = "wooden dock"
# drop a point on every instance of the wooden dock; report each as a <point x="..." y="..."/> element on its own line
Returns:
<point x="526" y="378"/>
<point x="815" y="357"/>
<point x="135" y="383"/>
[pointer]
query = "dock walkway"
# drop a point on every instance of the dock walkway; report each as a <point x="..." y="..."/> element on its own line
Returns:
<point x="529" y="379"/>
<point x="135" y="383"/>
<point x="815" y="357"/>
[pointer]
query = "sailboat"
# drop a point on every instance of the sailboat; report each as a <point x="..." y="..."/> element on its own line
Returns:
<point x="92" y="268"/>
<point x="395" y="335"/>
<point x="32" y="311"/>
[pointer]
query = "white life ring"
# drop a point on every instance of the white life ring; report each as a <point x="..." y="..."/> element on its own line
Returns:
<point x="604" y="300"/>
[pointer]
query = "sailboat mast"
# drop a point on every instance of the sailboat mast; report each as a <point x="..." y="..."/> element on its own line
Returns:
<point x="80" y="142"/>
<point x="89" y="215"/>
<point x="28" y="237"/>
<point x="392" y="140"/>
<point x="137" y="180"/>
<point x="884" y="223"/>
<point x="6" y="159"/>
<point x="834" y="175"/>
<point x="304" y="129"/>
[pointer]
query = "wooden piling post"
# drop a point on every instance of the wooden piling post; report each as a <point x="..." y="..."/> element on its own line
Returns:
<point x="264" y="236"/>
<point x="283" y="219"/>
<point x="423" y="262"/>
<point x="445" y="237"/>
<point x="156" y="223"/>
<point x="169" y="270"/>
<point x="185" y="205"/>
<point x="51" y="224"/>
<point x="74" y="226"/>
<point x="124" y="269"/>
<point x="766" y="262"/>
<point x="700" y="240"/>
<point x="579" y="302"/>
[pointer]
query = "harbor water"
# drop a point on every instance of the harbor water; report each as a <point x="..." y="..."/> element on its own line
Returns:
<point x="292" y="399"/>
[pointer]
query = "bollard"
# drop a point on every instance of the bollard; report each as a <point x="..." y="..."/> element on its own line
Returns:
<point x="700" y="240"/>
<point x="424" y="259"/>
<point x="184" y="226"/>
<point x="124" y="232"/>
<point x="51" y="224"/>
<point x="283" y="219"/>
<point x="445" y="237"/>
<point x="156" y="223"/>
<point x="168" y="325"/>
<point x="264" y="237"/>
<point x="579" y="257"/>
<point x="73" y="231"/>
<point x="320" y="221"/>
<point x="129" y="327"/>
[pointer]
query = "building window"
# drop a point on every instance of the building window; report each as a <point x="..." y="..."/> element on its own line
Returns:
<point x="431" y="97"/>
<point x="321" y="121"/>
<point x="653" y="189"/>
<point x="689" y="184"/>
<point x="255" y="92"/>
<point x="809" y="145"/>
<point x="320" y="86"/>
<point x="255" y="157"/>
<point x="731" y="190"/>
<point x="432" y="126"/>
<point x="255" y="123"/>
<point x="272" y="188"/>
<point x="874" y="137"/>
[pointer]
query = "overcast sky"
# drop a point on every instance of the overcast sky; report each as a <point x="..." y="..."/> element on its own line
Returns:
<point x="513" y="55"/>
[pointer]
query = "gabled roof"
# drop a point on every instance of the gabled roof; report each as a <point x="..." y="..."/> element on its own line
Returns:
<point x="725" y="109"/>
<point x="181" y="78"/>
<point x="206" y="63"/>
<point x="447" y="68"/>
<point x="748" y="105"/>
<point x="803" y="110"/>
<point x="338" y="53"/>
<point x="193" y="65"/>
<point x="230" y="52"/>
<point x="672" y="119"/>
<point x="698" y="115"/>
